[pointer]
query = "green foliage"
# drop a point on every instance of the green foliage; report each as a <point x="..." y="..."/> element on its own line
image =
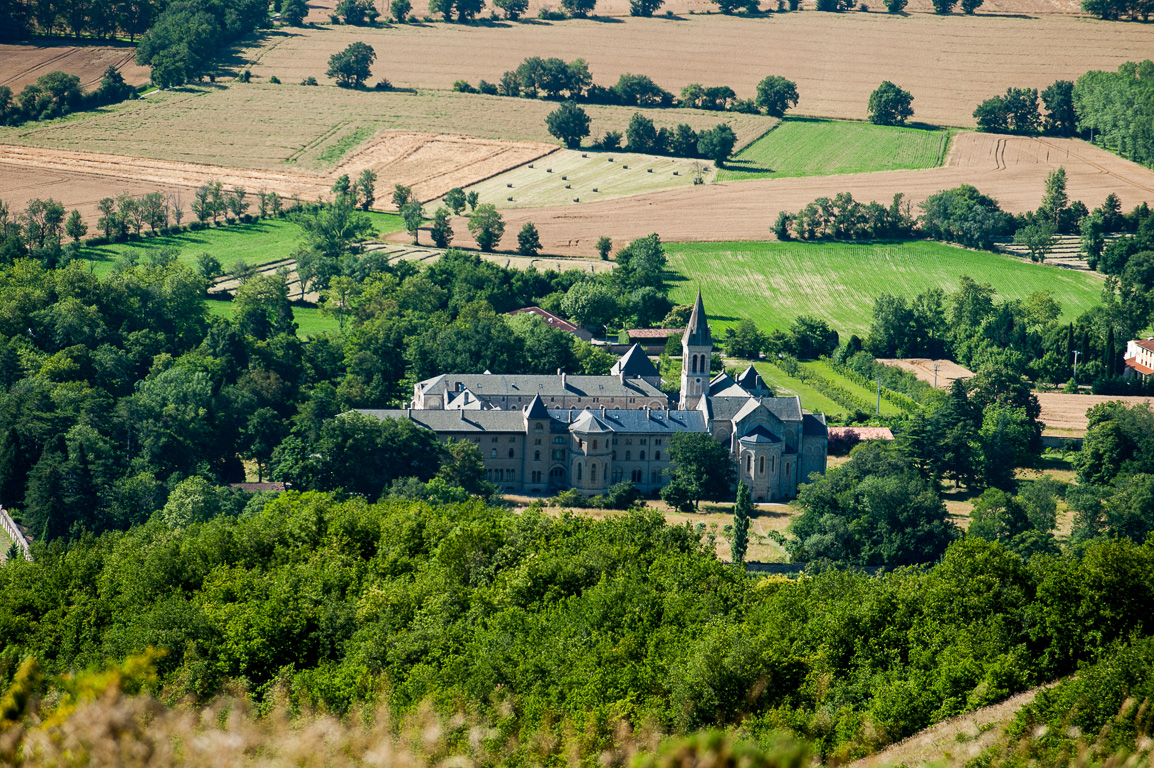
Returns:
<point x="776" y="95"/>
<point x="487" y="226"/>
<point x="739" y="537"/>
<point x="1113" y="105"/>
<point x="701" y="467"/>
<point x="569" y="123"/>
<point x="528" y="241"/>
<point x="352" y="66"/>
<point x="890" y="105"/>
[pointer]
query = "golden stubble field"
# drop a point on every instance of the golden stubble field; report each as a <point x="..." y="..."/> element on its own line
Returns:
<point x="320" y="10"/>
<point x="290" y="126"/>
<point x="950" y="64"/>
<point x="1011" y="169"/>
<point x="23" y="64"/>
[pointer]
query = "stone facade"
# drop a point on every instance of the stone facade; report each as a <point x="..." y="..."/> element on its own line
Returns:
<point x="541" y="434"/>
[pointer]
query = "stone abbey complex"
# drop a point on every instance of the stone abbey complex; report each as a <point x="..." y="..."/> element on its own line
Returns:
<point x="541" y="434"/>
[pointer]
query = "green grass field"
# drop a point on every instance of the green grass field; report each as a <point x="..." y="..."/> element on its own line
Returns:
<point x="256" y="243"/>
<point x="771" y="283"/>
<point x="810" y="147"/>
<point x="309" y="320"/>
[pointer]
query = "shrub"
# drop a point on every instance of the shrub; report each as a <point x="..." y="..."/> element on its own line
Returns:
<point x="274" y="80"/>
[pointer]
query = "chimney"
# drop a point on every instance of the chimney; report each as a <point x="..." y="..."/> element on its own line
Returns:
<point x="647" y="417"/>
<point x="559" y="372"/>
<point x="562" y="378"/>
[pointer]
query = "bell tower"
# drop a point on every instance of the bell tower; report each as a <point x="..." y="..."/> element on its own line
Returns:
<point x="696" y="348"/>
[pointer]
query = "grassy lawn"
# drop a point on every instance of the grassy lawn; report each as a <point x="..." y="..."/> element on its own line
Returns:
<point x="309" y="320"/>
<point x="811" y="147"/>
<point x="870" y="395"/>
<point x="256" y="243"/>
<point x="784" y="385"/>
<point x="771" y="283"/>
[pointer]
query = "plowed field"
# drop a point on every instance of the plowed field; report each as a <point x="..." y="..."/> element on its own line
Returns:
<point x="1068" y="412"/>
<point x="431" y="165"/>
<point x="22" y="64"/>
<point x="950" y="64"/>
<point x="1011" y="169"/>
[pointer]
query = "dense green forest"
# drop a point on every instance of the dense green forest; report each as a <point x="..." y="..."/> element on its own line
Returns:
<point x="545" y="624"/>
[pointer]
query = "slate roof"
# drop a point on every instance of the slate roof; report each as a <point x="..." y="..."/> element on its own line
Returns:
<point x="697" y="331"/>
<point x="759" y="435"/>
<point x="653" y="422"/>
<point x="465" y="401"/>
<point x="814" y="424"/>
<point x="634" y="363"/>
<point x="640" y="422"/>
<point x="784" y="408"/>
<point x="536" y="409"/>
<point x="549" y="385"/>
<point x="456" y="421"/>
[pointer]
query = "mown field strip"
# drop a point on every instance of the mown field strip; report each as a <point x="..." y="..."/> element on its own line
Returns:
<point x="804" y="147"/>
<point x="772" y="283"/>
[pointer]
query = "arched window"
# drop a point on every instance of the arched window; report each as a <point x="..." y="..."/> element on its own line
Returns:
<point x="657" y="456"/>
<point x="616" y="475"/>
<point x="628" y="456"/>
<point x="510" y="453"/>
<point x="749" y="463"/>
<point x="772" y="463"/>
<point x="693" y="363"/>
<point x="536" y="455"/>
<point x="493" y="454"/>
<point x="578" y="472"/>
<point x="761" y="465"/>
<point x="641" y="455"/>
<point x="594" y="445"/>
<point x="636" y="476"/>
<point x="592" y="473"/>
<point x="538" y="427"/>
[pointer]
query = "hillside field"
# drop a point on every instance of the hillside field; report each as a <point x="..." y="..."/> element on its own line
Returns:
<point x="772" y="283"/>
<point x="807" y="147"/>
<point x="949" y="63"/>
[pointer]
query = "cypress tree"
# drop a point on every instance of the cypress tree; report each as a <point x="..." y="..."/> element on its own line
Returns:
<point x="742" y="509"/>
<point x="1108" y="354"/>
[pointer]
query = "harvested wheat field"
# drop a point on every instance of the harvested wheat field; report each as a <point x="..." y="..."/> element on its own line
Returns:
<point x="950" y="64"/>
<point x="79" y="190"/>
<point x="321" y="10"/>
<point x="1011" y="169"/>
<point x="947" y="370"/>
<point x="567" y="175"/>
<point x="1068" y="412"/>
<point x="430" y="164"/>
<point x="23" y="64"/>
<point x="313" y="128"/>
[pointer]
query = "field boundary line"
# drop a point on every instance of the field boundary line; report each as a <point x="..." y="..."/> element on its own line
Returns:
<point x="507" y="170"/>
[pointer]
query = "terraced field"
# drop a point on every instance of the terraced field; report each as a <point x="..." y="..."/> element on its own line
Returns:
<point x="772" y="283"/>
<point x="806" y="147"/>
<point x="867" y="396"/>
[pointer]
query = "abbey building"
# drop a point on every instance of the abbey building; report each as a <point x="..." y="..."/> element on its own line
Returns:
<point x="540" y="434"/>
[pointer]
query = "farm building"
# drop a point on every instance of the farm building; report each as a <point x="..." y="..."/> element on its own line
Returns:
<point x="540" y="434"/>
<point x="1139" y="358"/>
<point x="556" y="322"/>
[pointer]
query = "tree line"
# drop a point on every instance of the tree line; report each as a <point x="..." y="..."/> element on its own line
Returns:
<point x="57" y="94"/>
<point x="554" y="79"/>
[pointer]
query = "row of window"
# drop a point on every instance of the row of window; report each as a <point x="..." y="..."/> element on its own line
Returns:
<point x="501" y="474"/>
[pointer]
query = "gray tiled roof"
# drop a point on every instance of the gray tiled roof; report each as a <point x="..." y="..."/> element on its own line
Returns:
<point x="456" y="421"/>
<point x="697" y="331"/>
<point x="634" y="363"/>
<point x="812" y="424"/>
<point x="759" y="434"/>
<point x="499" y="385"/>
<point x="633" y="422"/>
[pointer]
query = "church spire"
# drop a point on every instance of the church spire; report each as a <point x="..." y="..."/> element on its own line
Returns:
<point x="696" y="349"/>
<point x="697" y="331"/>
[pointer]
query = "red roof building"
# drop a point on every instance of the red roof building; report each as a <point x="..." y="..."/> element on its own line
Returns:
<point x="1139" y="358"/>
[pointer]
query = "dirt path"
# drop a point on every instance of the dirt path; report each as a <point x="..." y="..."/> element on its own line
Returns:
<point x="953" y="741"/>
